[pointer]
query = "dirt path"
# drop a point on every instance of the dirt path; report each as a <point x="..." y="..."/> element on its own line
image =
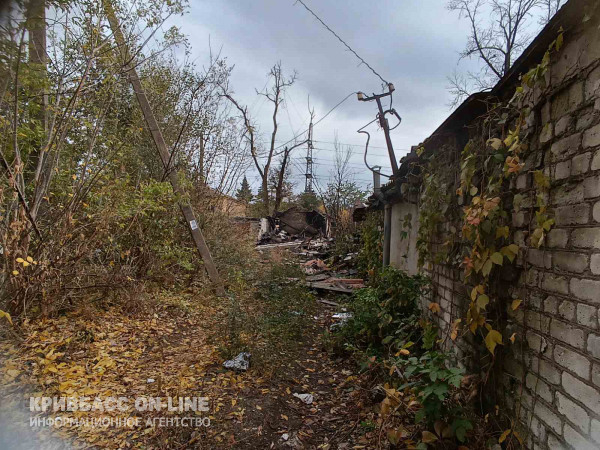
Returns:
<point x="268" y="415"/>
<point x="167" y="349"/>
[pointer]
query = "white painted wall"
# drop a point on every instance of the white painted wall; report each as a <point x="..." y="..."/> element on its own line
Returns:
<point x="403" y="244"/>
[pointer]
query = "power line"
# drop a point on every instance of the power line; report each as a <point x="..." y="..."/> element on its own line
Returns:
<point x="343" y="42"/>
<point x="317" y="122"/>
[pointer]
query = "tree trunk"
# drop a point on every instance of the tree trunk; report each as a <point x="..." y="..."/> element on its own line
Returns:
<point x="163" y="152"/>
<point x="279" y="189"/>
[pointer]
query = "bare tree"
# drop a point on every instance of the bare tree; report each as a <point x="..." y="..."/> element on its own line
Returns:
<point x="497" y="42"/>
<point x="551" y="7"/>
<point x="263" y="159"/>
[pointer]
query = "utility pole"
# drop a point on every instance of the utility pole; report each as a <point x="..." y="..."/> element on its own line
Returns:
<point x="161" y="147"/>
<point x="309" y="162"/>
<point x="384" y="123"/>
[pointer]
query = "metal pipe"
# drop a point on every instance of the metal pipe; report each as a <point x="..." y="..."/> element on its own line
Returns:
<point x="376" y="180"/>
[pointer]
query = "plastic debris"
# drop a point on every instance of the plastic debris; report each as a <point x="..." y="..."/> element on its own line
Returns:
<point x="306" y="398"/>
<point x="341" y="319"/>
<point x="240" y="363"/>
<point x="150" y="380"/>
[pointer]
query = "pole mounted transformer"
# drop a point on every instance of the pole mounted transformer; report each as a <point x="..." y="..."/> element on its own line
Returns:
<point x="383" y="122"/>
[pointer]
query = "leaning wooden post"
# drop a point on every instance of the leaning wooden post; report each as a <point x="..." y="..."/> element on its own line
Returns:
<point x="161" y="146"/>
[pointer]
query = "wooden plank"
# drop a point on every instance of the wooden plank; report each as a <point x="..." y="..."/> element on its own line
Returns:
<point x="161" y="146"/>
<point x="329" y="287"/>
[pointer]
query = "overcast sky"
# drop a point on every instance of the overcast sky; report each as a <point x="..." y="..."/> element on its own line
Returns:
<point x="411" y="43"/>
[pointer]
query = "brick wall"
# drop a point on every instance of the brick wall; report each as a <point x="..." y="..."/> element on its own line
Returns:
<point x="550" y="377"/>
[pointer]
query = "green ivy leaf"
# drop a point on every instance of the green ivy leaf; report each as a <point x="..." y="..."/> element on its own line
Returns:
<point x="487" y="268"/>
<point x="482" y="301"/>
<point x="497" y="258"/>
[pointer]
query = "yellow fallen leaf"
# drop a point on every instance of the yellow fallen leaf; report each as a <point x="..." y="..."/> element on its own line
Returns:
<point x="7" y="315"/>
<point x="515" y="304"/>
<point x="503" y="436"/>
<point x="428" y="437"/>
<point x="20" y="260"/>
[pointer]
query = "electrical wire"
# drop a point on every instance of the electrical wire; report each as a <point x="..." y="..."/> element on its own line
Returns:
<point x="342" y="41"/>
<point x="315" y="124"/>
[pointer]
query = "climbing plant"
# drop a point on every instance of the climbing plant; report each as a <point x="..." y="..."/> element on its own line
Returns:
<point x="489" y="162"/>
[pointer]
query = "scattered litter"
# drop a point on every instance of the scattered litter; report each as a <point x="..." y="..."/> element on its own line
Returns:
<point x="343" y="316"/>
<point x="285" y="436"/>
<point x="306" y="398"/>
<point x="150" y="380"/>
<point x="341" y="319"/>
<point x="315" y="266"/>
<point x="240" y="363"/>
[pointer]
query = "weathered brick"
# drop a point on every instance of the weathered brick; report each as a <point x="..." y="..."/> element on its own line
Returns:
<point x="581" y="163"/>
<point x="581" y="392"/>
<point x="555" y="443"/>
<point x="592" y="84"/>
<point x="595" y="263"/>
<point x="551" y="305"/>
<point x="547" y="371"/>
<point x="566" y="310"/>
<point x="538" y="387"/>
<point x="537" y="343"/>
<point x="539" y="258"/>
<point x="562" y="125"/>
<point x="585" y="120"/>
<point x="537" y="321"/>
<point x="571" y="360"/>
<point x="596" y="158"/>
<point x="573" y="412"/>
<point x="567" y="100"/>
<point x="586" y="315"/>
<point x="591" y="137"/>
<point x="548" y="417"/>
<point x="576" y="440"/>
<point x="566" y="332"/>
<point x="595" y="430"/>
<point x="596" y="374"/>
<point x="566" y="147"/>
<point x="594" y="345"/>
<point x="572" y="214"/>
<point x="596" y="211"/>
<point x="555" y="283"/>
<point x="547" y="133"/>
<point x="591" y="187"/>
<point x="520" y="219"/>
<point x="586" y="289"/>
<point x="557" y="238"/>
<point x="570" y="261"/>
<point x="562" y="170"/>
<point x="586" y="238"/>
<point x="568" y="194"/>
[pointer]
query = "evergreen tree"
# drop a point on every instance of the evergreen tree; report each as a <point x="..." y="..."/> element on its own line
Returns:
<point x="244" y="193"/>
